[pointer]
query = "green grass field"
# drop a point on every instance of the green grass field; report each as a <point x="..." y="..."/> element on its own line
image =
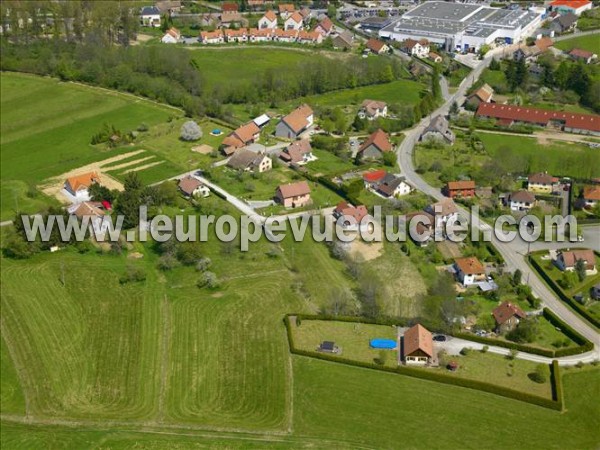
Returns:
<point x="559" y="158"/>
<point x="403" y="92"/>
<point x="590" y="43"/>
<point x="583" y="287"/>
<point x="46" y="130"/>
<point x="389" y="411"/>
<point x="245" y="65"/>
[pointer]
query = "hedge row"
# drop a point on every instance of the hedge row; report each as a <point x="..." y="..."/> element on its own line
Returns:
<point x="218" y="193"/>
<point x="583" y="345"/>
<point x="556" y="383"/>
<point x="565" y="298"/>
<point x="507" y="344"/>
<point x="432" y="376"/>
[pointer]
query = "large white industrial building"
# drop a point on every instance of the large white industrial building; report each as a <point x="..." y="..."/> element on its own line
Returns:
<point x="463" y="27"/>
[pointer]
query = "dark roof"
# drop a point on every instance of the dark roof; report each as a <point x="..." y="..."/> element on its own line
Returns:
<point x="567" y="20"/>
<point x="150" y="11"/>
<point x="522" y="196"/>
<point x="327" y="345"/>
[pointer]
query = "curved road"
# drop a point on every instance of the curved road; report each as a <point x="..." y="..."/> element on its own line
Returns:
<point x="512" y="252"/>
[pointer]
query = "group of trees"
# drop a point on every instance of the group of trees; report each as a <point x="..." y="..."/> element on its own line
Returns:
<point x="170" y="75"/>
<point x="577" y="80"/>
<point x="74" y="20"/>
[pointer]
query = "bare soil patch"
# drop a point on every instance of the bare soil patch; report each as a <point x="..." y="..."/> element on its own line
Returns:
<point x="145" y="166"/>
<point x="367" y="250"/>
<point x="54" y="186"/>
<point x="203" y="149"/>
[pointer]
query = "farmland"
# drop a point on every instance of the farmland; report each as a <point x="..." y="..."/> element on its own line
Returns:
<point x="46" y="130"/>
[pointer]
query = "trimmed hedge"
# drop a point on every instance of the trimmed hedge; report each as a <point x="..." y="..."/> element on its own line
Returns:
<point x="556" y="383"/>
<point x="564" y="297"/>
<point x="507" y="344"/>
<point x="428" y="375"/>
<point x="583" y="344"/>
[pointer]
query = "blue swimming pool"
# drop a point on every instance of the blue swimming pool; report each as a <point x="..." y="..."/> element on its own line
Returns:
<point x="388" y="344"/>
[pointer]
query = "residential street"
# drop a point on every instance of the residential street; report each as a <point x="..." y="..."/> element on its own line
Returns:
<point x="512" y="252"/>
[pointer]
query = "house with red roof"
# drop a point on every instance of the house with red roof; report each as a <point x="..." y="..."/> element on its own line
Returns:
<point x="469" y="271"/>
<point x="349" y="216"/>
<point x="591" y="196"/>
<point x="417" y="346"/>
<point x="567" y="121"/>
<point x="325" y="27"/>
<point x="567" y="260"/>
<point x="375" y="146"/>
<point x="294" y="195"/>
<point x="583" y="55"/>
<point x="172" y="36"/>
<point x="294" y="22"/>
<point x="286" y="10"/>
<point x="542" y="183"/>
<point x="269" y="20"/>
<point x="377" y="47"/>
<point x="570" y="6"/>
<point x="296" y="122"/>
<point x="212" y="37"/>
<point x="460" y="189"/>
<point x="77" y="186"/>
<point x="507" y="317"/>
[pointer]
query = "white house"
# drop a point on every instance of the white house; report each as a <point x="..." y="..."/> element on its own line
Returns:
<point x="567" y="260"/>
<point x="372" y="109"/>
<point x="469" y="271"/>
<point x="418" y="48"/>
<point x="192" y="187"/>
<point x="212" y="37"/>
<point x="444" y="211"/>
<point x="150" y="16"/>
<point x="269" y="20"/>
<point x="94" y="213"/>
<point x="521" y="201"/>
<point x="172" y="36"/>
<point x="294" y="22"/>
<point x="77" y="187"/>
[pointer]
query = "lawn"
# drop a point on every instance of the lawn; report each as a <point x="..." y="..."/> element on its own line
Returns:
<point x="403" y="92"/>
<point x="245" y="65"/>
<point x="11" y="393"/>
<point x="558" y="158"/>
<point x="352" y="338"/>
<point x="387" y="411"/>
<point x="590" y="43"/>
<point x="364" y="394"/>
<point x="46" y="130"/>
<point x="259" y="186"/>
<point x="164" y="349"/>
<point x="583" y="287"/>
<point x="457" y="161"/>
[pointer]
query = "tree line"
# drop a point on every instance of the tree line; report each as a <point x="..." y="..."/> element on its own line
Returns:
<point x="170" y="75"/>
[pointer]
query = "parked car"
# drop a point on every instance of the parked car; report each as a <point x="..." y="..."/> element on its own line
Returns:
<point x="440" y="338"/>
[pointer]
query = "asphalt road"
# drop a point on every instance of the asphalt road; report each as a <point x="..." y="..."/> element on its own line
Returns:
<point x="512" y="252"/>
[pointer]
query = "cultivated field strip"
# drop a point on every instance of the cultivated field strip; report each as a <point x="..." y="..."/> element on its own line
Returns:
<point x="229" y="356"/>
<point x="91" y="346"/>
